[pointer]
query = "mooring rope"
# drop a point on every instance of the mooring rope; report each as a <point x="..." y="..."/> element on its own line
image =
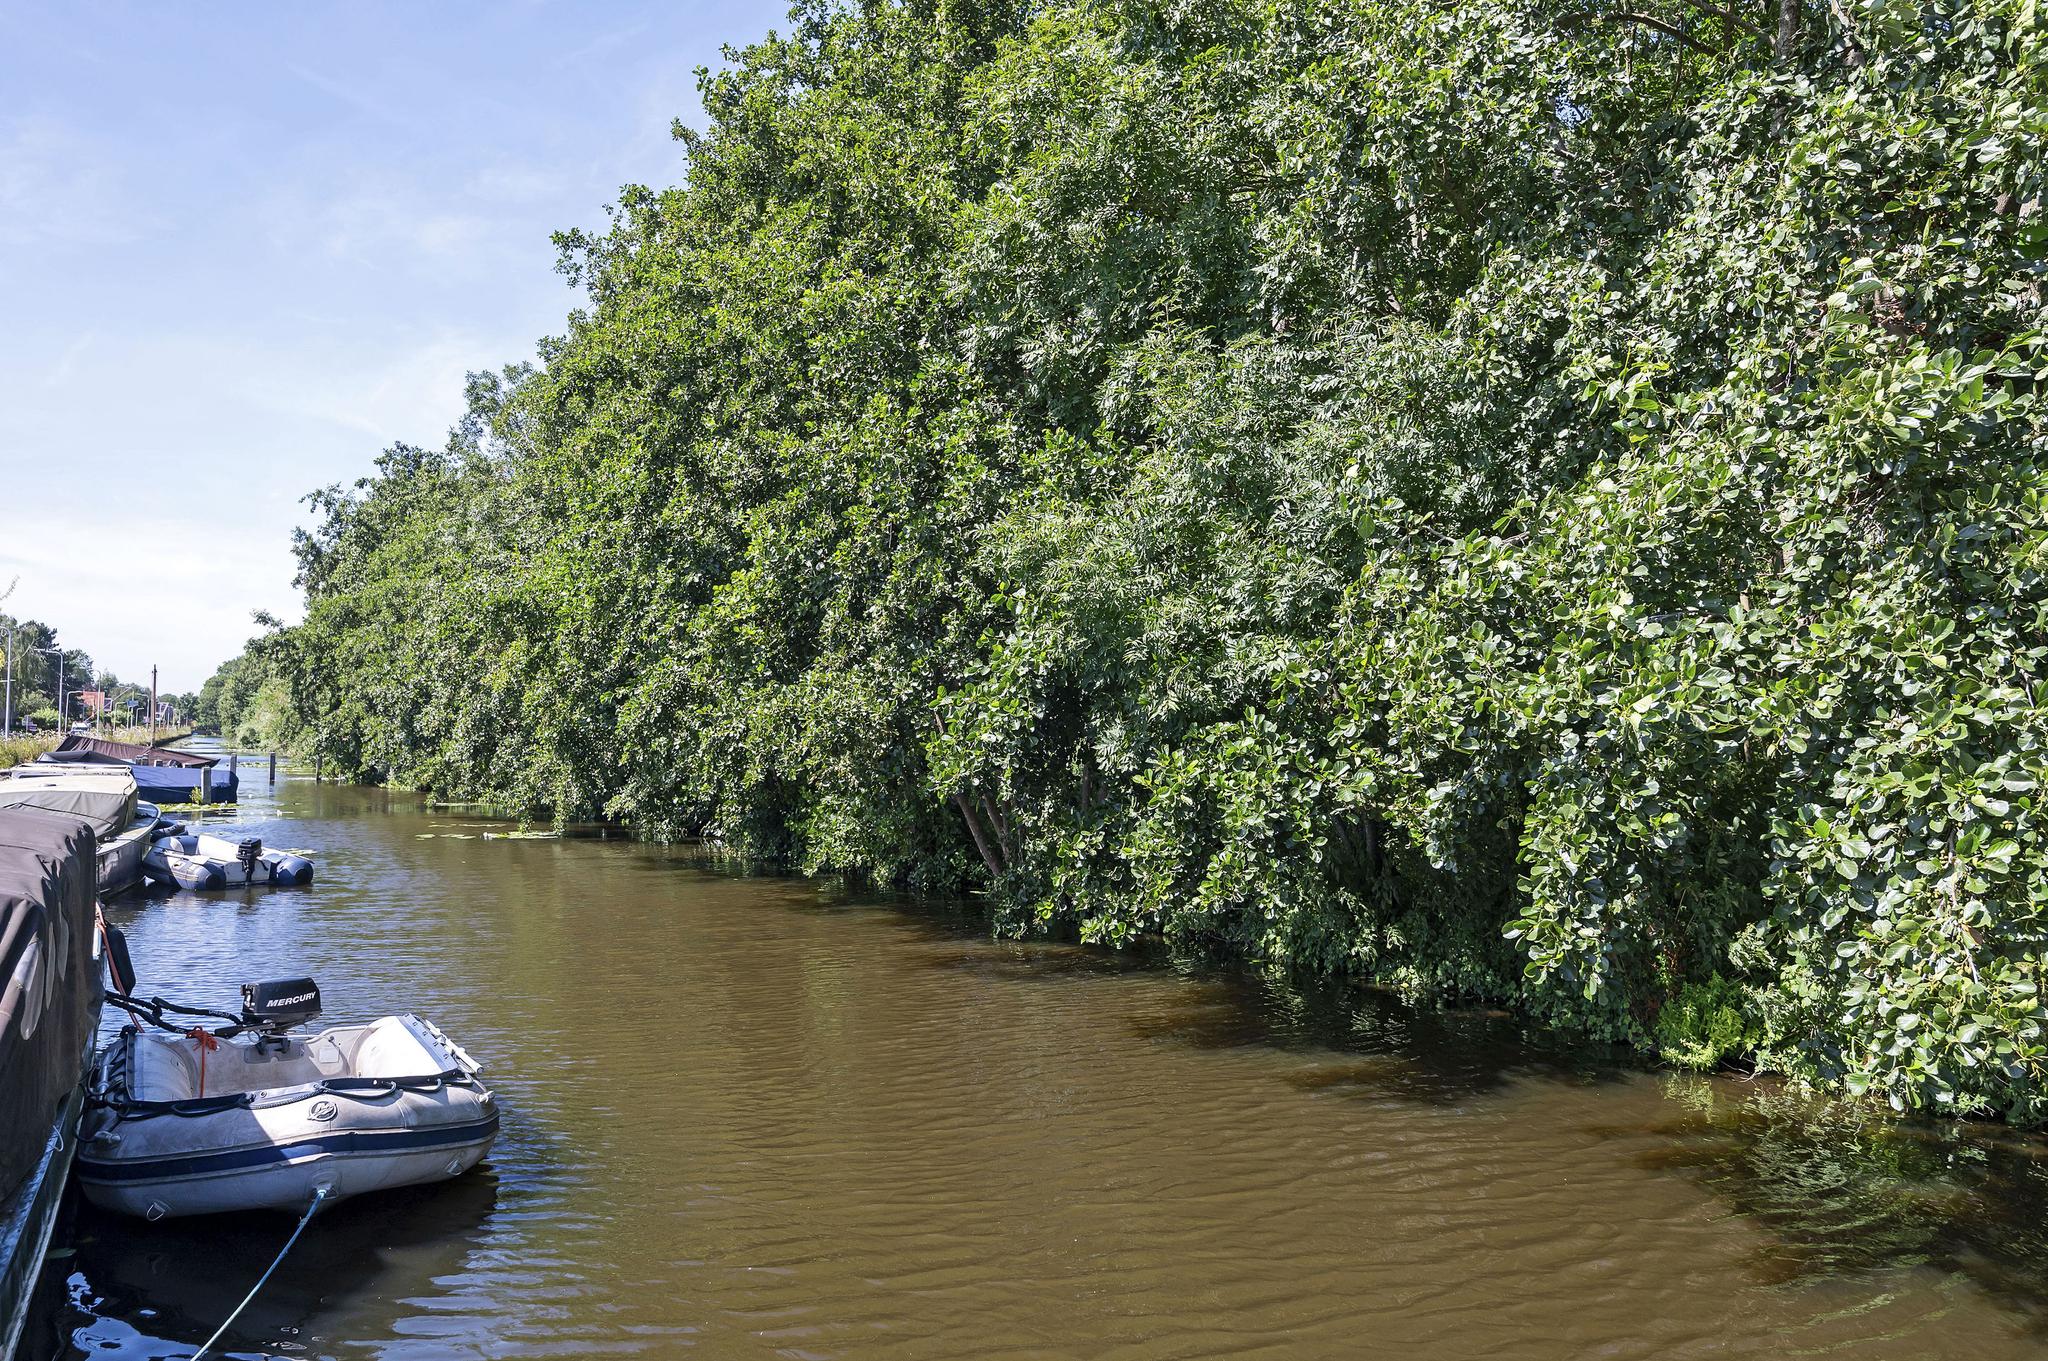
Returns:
<point x="319" y="1195"/>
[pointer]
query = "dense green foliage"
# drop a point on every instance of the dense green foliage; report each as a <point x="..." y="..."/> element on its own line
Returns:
<point x="248" y="701"/>
<point x="1534" y="501"/>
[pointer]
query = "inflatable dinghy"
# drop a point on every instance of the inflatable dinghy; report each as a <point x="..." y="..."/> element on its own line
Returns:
<point x="206" y="861"/>
<point x="252" y="1116"/>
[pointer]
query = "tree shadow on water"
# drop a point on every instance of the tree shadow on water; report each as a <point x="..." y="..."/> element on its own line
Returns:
<point x="1844" y="1190"/>
<point x="1369" y="1044"/>
<point x="1351" y="1040"/>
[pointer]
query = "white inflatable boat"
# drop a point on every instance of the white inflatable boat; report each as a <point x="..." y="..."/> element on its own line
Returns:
<point x="251" y="1117"/>
<point x="207" y="861"/>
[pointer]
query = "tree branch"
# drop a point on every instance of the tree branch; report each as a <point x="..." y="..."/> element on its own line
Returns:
<point x="1727" y="15"/>
<point x="988" y="853"/>
<point x="1851" y="42"/>
<point x="1664" y="26"/>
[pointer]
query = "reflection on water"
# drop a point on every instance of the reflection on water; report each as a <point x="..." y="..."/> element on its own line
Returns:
<point x="1843" y="1190"/>
<point x="174" y="1275"/>
<point x="751" y="1117"/>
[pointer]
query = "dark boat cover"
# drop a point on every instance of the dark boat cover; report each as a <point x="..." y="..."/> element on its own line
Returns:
<point x="49" y="987"/>
<point x="102" y="795"/>
<point x="78" y="758"/>
<point x="75" y="747"/>
<point x="160" y="784"/>
<point x="176" y="784"/>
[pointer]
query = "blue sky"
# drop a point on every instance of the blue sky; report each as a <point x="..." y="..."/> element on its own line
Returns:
<point x="245" y="247"/>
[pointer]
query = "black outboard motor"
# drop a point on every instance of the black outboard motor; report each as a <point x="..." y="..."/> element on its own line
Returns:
<point x="248" y="853"/>
<point x="274" y="1008"/>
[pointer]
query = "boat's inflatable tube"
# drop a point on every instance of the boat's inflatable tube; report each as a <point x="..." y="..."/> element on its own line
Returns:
<point x="206" y="861"/>
<point x="186" y="871"/>
<point x="265" y="1122"/>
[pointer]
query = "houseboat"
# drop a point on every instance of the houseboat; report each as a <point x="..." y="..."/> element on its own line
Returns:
<point x="50" y="990"/>
<point x="104" y="797"/>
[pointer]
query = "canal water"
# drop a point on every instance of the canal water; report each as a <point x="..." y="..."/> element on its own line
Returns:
<point x="751" y="1117"/>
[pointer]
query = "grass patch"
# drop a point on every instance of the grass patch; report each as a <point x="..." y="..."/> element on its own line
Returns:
<point x="21" y="749"/>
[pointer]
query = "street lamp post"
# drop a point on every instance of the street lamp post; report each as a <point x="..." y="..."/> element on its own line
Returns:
<point x="7" y="723"/>
<point x="58" y="653"/>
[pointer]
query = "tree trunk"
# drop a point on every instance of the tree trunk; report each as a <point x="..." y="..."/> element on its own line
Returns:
<point x="981" y="842"/>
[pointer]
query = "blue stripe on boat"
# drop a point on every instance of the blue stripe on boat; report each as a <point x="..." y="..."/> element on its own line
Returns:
<point x="347" y="1141"/>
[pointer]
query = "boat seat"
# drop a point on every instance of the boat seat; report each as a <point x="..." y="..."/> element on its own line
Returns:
<point x="167" y="1066"/>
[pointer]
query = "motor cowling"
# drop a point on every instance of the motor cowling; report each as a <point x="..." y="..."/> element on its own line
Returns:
<point x="279" y="1005"/>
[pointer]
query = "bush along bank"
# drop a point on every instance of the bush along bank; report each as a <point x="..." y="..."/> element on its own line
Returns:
<point x="1539" y="501"/>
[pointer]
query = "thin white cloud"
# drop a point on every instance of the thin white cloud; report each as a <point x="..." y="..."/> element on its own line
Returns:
<point x="59" y="187"/>
<point x="241" y="258"/>
<point x="351" y="95"/>
<point x="413" y="392"/>
<point x="222" y="437"/>
<point x="393" y="222"/>
<point x="370" y="225"/>
<point x="67" y="363"/>
<point x="600" y="45"/>
<point x="515" y="183"/>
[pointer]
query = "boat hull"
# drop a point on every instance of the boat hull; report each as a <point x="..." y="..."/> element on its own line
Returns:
<point x="50" y="989"/>
<point x="273" y="1148"/>
<point x="104" y="798"/>
<point x="121" y="857"/>
<point x="284" y="1172"/>
<point x="27" y="1219"/>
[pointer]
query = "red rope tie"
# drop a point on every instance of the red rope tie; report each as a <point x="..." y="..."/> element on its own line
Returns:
<point x="207" y="1041"/>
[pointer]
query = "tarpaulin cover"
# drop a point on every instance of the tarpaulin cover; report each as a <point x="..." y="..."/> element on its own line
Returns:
<point x="49" y="986"/>
<point x="80" y="758"/>
<point x="161" y="784"/>
<point x="75" y="745"/>
<point x="102" y="795"/>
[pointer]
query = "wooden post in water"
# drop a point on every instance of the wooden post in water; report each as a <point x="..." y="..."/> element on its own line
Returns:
<point x="273" y="767"/>
<point x="205" y="785"/>
<point x="319" y="760"/>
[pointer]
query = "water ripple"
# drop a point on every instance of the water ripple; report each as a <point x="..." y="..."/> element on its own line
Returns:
<point x="745" y="1117"/>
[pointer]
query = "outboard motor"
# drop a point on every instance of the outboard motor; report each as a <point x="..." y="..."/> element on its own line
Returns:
<point x="274" y="1008"/>
<point x="248" y="853"/>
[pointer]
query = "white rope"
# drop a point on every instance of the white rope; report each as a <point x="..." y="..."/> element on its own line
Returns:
<point x="304" y="1219"/>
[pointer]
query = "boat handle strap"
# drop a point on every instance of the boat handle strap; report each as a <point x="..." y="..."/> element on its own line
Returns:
<point x="153" y="1011"/>
<point x="129" y="1110"/>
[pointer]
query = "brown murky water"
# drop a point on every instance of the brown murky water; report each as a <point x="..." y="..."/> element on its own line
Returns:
<point x="747" y="1118"/>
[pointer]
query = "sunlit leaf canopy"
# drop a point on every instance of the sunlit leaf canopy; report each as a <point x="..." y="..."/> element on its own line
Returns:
<point x="1541" y="502"/>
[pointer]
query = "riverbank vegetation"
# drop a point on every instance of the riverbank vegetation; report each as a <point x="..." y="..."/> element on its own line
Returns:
<point x="247" y="702"/>
<point x="23" y="748"/>
<point x="1541" y="502"/>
